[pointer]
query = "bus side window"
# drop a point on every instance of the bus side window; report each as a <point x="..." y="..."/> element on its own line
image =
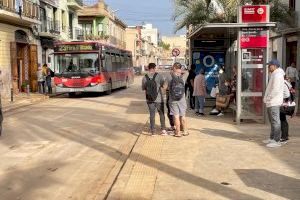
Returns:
<point x="108" y="62"/>
<point x="118" y="62"/>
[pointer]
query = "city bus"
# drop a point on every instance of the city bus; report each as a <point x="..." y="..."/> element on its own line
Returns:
<point x="91" y="67"/>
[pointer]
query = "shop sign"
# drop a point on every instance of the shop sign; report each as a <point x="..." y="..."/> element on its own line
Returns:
<point x="255" y="13"/>
<point x="76" y="47"/>
<point x="254" y="38"/>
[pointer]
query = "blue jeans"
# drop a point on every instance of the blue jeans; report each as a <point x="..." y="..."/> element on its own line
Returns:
<point x="274" y="118"/>
<point x="199" y="104"/>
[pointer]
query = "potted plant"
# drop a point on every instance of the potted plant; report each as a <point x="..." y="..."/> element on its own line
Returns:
<point x="24" y="86"/>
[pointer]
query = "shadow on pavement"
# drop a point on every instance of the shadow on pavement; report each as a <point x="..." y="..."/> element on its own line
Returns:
<point x="19" y="182"/>
<point x="271" y="182"/>
<point x="87" y="140"/>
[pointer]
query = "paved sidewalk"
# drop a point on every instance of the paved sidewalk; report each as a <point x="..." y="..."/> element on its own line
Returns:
<point x="219" y="160"/>
<point x="22" y="100"/>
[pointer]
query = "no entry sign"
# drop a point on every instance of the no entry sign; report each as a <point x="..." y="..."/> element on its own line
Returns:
<point x="175" y="52"/>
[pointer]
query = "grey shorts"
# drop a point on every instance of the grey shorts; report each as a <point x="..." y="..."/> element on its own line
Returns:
<point x="178" y="108"/>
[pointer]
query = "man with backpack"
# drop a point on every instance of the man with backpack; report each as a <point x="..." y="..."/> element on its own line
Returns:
<point x="153" y="84"/>
<point x="177" y="100"/>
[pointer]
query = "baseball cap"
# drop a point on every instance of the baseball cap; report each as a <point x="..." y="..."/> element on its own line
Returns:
<point x="274" y="62"/>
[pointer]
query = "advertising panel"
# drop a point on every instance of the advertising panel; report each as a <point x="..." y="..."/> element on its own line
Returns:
<point x="254" y="38"/>
<point x="210" y="62"/>
<point x="254" y="14"/>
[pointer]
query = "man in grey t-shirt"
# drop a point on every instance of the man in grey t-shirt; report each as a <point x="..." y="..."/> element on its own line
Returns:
<point x="158" y="103"/>
<point x="177" y="107"/>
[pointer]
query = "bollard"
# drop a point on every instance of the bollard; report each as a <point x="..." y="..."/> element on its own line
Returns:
<point x="28" y="90"/>
<point x="11" y="94"/>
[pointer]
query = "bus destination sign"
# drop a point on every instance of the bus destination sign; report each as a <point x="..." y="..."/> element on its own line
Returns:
<point x="76" y="47"/>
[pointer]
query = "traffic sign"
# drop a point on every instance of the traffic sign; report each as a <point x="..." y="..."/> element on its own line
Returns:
<point x="175" y="52"/>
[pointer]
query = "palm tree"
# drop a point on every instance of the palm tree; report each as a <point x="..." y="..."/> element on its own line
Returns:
<point x="197" y="12"/>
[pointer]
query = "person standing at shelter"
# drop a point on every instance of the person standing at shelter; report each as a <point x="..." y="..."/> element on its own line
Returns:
<point x="190" y="85"/>
<point x="274" y="99"/>
<point x="153" y="84"/>
<point x="177" y="100"/>
<point x="292" y="74"/>
<point x="200" y="92"/>
<point x="283" y="120"/>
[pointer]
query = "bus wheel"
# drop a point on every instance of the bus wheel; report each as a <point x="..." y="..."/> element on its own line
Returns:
<point x="109" y="89"/>
<point x="72" y="94"/>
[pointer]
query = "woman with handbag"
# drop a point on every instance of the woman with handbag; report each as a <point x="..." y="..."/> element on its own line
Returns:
<point x="286" y="109"/>
<point x="224" y="97"/>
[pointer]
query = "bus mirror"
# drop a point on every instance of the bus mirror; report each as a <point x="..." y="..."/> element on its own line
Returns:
<point x="102" y="56"/>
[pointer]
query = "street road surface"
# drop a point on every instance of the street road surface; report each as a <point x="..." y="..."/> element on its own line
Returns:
<point x="69" y="148"/>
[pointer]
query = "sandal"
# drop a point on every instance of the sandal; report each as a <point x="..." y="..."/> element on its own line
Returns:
<point x="177" y="135"/>
<point x="185" y="133"/>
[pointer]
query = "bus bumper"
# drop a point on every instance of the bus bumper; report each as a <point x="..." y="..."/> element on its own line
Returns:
<point x="96" y="88"/>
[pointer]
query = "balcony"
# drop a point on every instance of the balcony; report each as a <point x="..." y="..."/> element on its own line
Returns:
<point x="25" y="14"/>
<point x="116" y="42"/>
<point x="50" y="28"/>
<point x="75" y="4"/>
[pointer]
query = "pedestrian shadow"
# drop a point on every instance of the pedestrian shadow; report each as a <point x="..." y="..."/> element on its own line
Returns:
<point x="252" y="137"/>
<point x="278" y="184"/>
<point x="22" y="183"/>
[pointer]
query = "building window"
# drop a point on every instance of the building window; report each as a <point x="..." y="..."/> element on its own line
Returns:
<point x="100" y="29"/>
<point x="292" y="4"/>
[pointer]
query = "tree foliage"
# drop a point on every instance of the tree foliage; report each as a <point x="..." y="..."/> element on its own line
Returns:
<point x="197" y="12"/>
<point x="165" y="46"/>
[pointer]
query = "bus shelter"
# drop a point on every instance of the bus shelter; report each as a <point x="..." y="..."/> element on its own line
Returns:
<point x="239" y="48"/>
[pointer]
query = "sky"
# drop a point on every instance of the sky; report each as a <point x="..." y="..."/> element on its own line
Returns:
<point x="137" y="12"/>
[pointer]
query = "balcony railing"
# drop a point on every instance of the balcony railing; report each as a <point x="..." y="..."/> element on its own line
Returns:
<point x="21" y="7"/>
<point x="50" y="26"/>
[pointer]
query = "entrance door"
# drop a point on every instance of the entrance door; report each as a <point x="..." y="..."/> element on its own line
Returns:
<point x="253" y="75"/>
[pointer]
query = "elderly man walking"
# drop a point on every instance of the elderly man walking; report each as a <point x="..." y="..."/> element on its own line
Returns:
<point x="273" y="100"/>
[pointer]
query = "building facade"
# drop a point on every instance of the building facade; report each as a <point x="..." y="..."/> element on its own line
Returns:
<point x="98" y="22"/>
<point x="59" y="22"/>
<point x="285" y="42"/>
<point x="151" y="34"/>
<point x="142" y="48"/>
<point x="19" y="21"/>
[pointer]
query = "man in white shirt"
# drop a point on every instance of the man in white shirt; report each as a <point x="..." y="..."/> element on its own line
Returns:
<point x="273" y="100"/>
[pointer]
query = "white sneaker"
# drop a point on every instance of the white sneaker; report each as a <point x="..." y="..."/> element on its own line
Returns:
<point x="220" y="114"/>
<point x="267" y="141"/>
<point x="274" y="144"/>
<point x="164" y="133"/>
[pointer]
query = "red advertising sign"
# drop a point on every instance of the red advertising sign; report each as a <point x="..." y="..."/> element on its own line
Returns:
<point x="253" y="38"/>
<point x="256" y="13"/>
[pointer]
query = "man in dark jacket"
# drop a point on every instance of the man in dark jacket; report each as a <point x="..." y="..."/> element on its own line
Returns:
<point x="190" y="85"/>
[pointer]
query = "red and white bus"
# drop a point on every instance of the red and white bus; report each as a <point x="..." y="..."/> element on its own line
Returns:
<point x="91" y="67"/>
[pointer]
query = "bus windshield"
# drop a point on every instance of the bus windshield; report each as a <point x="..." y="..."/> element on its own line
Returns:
<point x="81" y="62"/>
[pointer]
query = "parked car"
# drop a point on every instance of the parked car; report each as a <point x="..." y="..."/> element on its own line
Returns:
<point x="168" y="66"/>
<point x="137" y="70"/>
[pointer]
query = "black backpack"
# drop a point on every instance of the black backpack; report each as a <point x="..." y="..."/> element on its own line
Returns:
<point x="151" y="88"/>
<point x="177" y="88"/>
